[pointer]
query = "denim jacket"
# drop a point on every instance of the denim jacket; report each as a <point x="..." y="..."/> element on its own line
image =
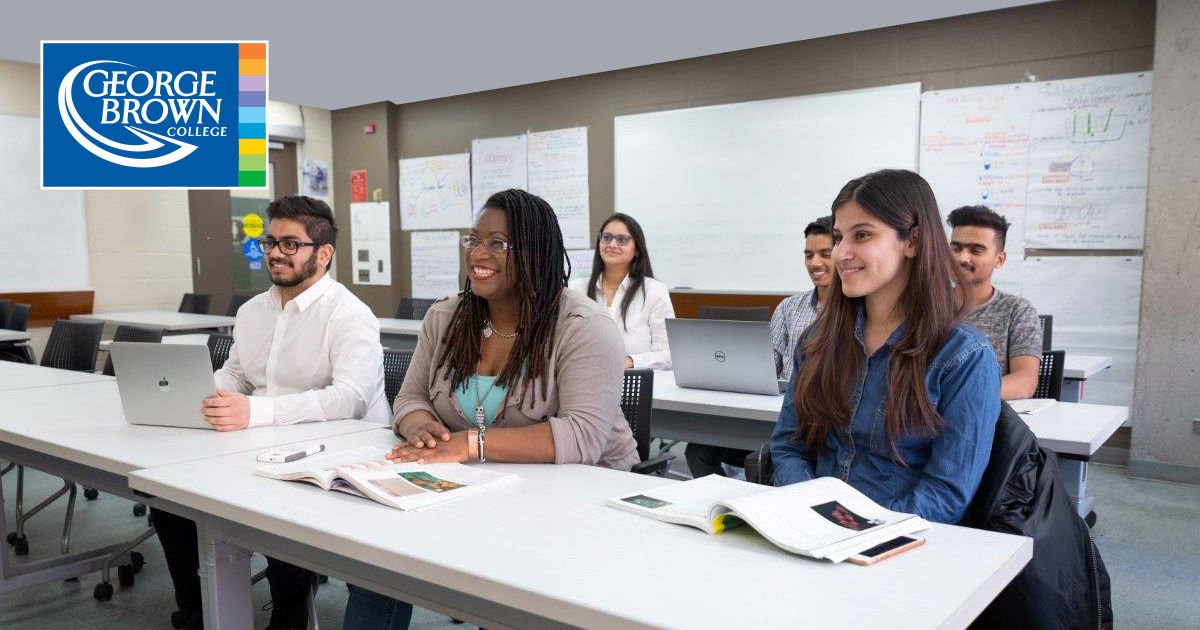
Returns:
<point x="941" y="473"/>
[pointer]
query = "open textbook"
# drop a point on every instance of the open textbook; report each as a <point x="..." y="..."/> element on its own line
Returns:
<point x="367" y="473"/>
<point x="820" y="518"/>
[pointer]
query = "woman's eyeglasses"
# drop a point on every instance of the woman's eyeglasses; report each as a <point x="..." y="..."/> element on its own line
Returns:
<point x="621" y="239"/>
<point x="494" y="245"/>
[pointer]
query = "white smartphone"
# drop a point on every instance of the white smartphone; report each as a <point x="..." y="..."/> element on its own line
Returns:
<point x="885" y="550"/>
<point x="285" y="454"/>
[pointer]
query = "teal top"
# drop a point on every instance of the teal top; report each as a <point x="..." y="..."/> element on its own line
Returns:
<point x="493" y="397"/>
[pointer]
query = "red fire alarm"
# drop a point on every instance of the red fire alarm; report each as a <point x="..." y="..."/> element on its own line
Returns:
<point x="369" y="129"/>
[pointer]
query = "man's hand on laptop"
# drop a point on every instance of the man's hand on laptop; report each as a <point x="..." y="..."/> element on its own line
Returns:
<point x="227" y="411"/>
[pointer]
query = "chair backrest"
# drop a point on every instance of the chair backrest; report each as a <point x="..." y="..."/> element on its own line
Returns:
<point x="218" y="349"/>
<point x="72" y="345"/>
<point x="420" y="306"/>
<point x="236" y="302"/>
<point x="195" y="303"/>
<point x="135" y="334"/>
<point x="1050" y="375"/>
<point x="637" y="397"/>
<point x="737" y="313"/>
<point x="1047" y="329"/>
<point x="404" y="309"/>
<point x="395" y="366"/>
<point x="18" y="317"/>
<point x="5" y="307"/>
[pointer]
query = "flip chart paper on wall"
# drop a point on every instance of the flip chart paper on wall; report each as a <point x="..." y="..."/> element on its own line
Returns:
<point x="435" y="261"/>
<point x="435" y="192"/>
<point x="1095" y="302"/>
<point x="581" y="262"/>
<point x="43" y="233"/>
<point x="497" y="164"/>
<point x="558" y="173"/>
<point x="371" y="243"/>
<point x="723" y="192"/>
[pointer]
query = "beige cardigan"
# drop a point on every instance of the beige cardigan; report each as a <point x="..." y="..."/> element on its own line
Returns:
<point x="583" y="398"/>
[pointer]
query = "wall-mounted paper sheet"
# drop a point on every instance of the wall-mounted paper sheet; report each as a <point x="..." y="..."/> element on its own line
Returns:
<point x="558" y="173"/>
<point x="371" y="243"/>
<point x="314" y="178"/>
<point x="497" y="164"/>
<point x="581" y="262"/>
<point x="435" y="192"/>
<point x="435" y="257"/>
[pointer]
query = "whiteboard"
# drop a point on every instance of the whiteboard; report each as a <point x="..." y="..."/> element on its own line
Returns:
<point x="43" y="233"/>
<point x="724" y="192"/>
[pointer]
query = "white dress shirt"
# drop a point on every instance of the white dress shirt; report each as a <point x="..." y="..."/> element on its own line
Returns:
<point x="645" y="325"/>
<point x="317" y="358"/>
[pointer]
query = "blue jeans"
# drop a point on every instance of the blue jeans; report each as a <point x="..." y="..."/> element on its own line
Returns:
<point x="368" y="610"/>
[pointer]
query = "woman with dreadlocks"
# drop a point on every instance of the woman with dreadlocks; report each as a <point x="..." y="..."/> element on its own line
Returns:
<point x="516" y="368"/>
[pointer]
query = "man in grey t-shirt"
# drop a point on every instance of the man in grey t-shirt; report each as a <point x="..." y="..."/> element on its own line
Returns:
<point x="1009" y="321"/>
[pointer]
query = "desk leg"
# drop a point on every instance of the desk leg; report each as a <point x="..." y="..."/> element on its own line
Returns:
<point x="1074" y="475"/>
<point x="1072" y="390"/>
<point x="224" y="581"/>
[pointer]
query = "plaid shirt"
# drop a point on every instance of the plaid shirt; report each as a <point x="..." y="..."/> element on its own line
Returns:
<point x="791" y="318"/>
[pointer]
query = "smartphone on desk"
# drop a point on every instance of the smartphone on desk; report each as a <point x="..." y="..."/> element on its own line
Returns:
<point x="885" y="550"/>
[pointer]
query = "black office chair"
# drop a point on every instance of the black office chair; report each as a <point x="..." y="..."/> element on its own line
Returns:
<point x="395" y="366"/>
<point x="413" y="308"/>
<point x="1047" y="329"/>
<point x="17" y="351"/>
<point x="72" y="345"/>
<point x="736" y="313"/>
<point x="133" y="334"/>
<point x="5" y="307"/>
<point x="18" y="317"/>
<point x="637" y="398"/>
<point x="236" y="302"/>
<point x="218" y="349"/>
<point x="1050" y="375"/>
<point x="195" y="303"/>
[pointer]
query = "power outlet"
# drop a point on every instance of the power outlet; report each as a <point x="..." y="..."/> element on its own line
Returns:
<point x="1196" y="426"/>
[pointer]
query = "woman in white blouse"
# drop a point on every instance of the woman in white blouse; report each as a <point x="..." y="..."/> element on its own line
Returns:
<point x="623" y="282"/>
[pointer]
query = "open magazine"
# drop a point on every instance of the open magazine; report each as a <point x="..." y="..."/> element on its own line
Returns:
<point x="367" y="473"/>
<point x="820" y="518"/>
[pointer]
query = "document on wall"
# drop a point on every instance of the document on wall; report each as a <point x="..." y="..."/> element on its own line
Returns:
<point x="1089" y="153"/>
<point x="558" y="173"/>
<point x="435" y="257"/>
<point x="371" y="243"/>
<point x="435" y="192"/>
<point x="497" y="164"/>
<point x="581" y="262"/>
<point x="314" y="178"/>
<point x="974" y="151"/>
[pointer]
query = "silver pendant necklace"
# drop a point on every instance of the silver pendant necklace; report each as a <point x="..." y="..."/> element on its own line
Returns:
<point x="488" y="329"/>
<point x="480" y="415"/>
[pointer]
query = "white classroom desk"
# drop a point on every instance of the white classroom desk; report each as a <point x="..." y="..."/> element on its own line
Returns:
<point x="199" y="339"/>
<point x="23" y="376"/>
<point x="9" y="336"/>
<point x="1073" y="430"/>
<point x="1077" y="369"/>
<point x="400" y="334"/>
<point x="167" y="320"/>
<point x="546" y="553"/>
<point x="78" y="432"/>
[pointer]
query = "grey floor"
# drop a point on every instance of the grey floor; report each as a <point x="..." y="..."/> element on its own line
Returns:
<point x="1147" y="533"/>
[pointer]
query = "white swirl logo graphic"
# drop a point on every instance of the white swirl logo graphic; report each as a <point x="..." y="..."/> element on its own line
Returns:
<point x="84" y="134"/>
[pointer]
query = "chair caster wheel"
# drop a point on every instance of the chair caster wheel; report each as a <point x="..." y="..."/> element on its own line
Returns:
<point x="11" y="537"/>
<point x="125" y="575"/>
<point x="21" y="546"/>
<point x="103" y="592"/>
<point x="1090" y="519"/>
<point x="139" y="509"/>
<point x="138" y="561"/>
<point x="91" y="494"/>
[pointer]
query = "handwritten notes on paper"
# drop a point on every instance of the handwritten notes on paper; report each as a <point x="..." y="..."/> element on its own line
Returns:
<point x="435" y="192"/>
<point x="1065" y="161"/>
<point x="371" y="243"/>
<point x="497" y="164"/>
<point x="435" y="257"/>
<point x="558" y="173"/>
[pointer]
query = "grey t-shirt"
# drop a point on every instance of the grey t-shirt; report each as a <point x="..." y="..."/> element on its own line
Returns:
<point x="1011" y="324"/>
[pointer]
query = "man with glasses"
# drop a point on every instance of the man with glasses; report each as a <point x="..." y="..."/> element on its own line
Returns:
<point x="306" y="350"/>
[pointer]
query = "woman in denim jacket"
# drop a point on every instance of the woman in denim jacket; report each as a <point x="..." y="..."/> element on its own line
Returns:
<point x="890" y="392"/>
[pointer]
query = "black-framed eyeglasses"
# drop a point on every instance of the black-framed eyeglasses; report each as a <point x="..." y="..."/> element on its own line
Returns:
<point x="621" y="239"/>
<point x="287" y="245"/>
<point x="494" y="245"/>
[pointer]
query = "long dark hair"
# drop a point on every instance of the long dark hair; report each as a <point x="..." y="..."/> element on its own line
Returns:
<point x="639" y="267"/>
<point x="538" y="263"/>
<point x="932" y="303"/>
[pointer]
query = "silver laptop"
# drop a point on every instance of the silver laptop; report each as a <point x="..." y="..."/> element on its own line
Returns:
<point x="163" y="384"/>
<point x="727" y="356"/>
